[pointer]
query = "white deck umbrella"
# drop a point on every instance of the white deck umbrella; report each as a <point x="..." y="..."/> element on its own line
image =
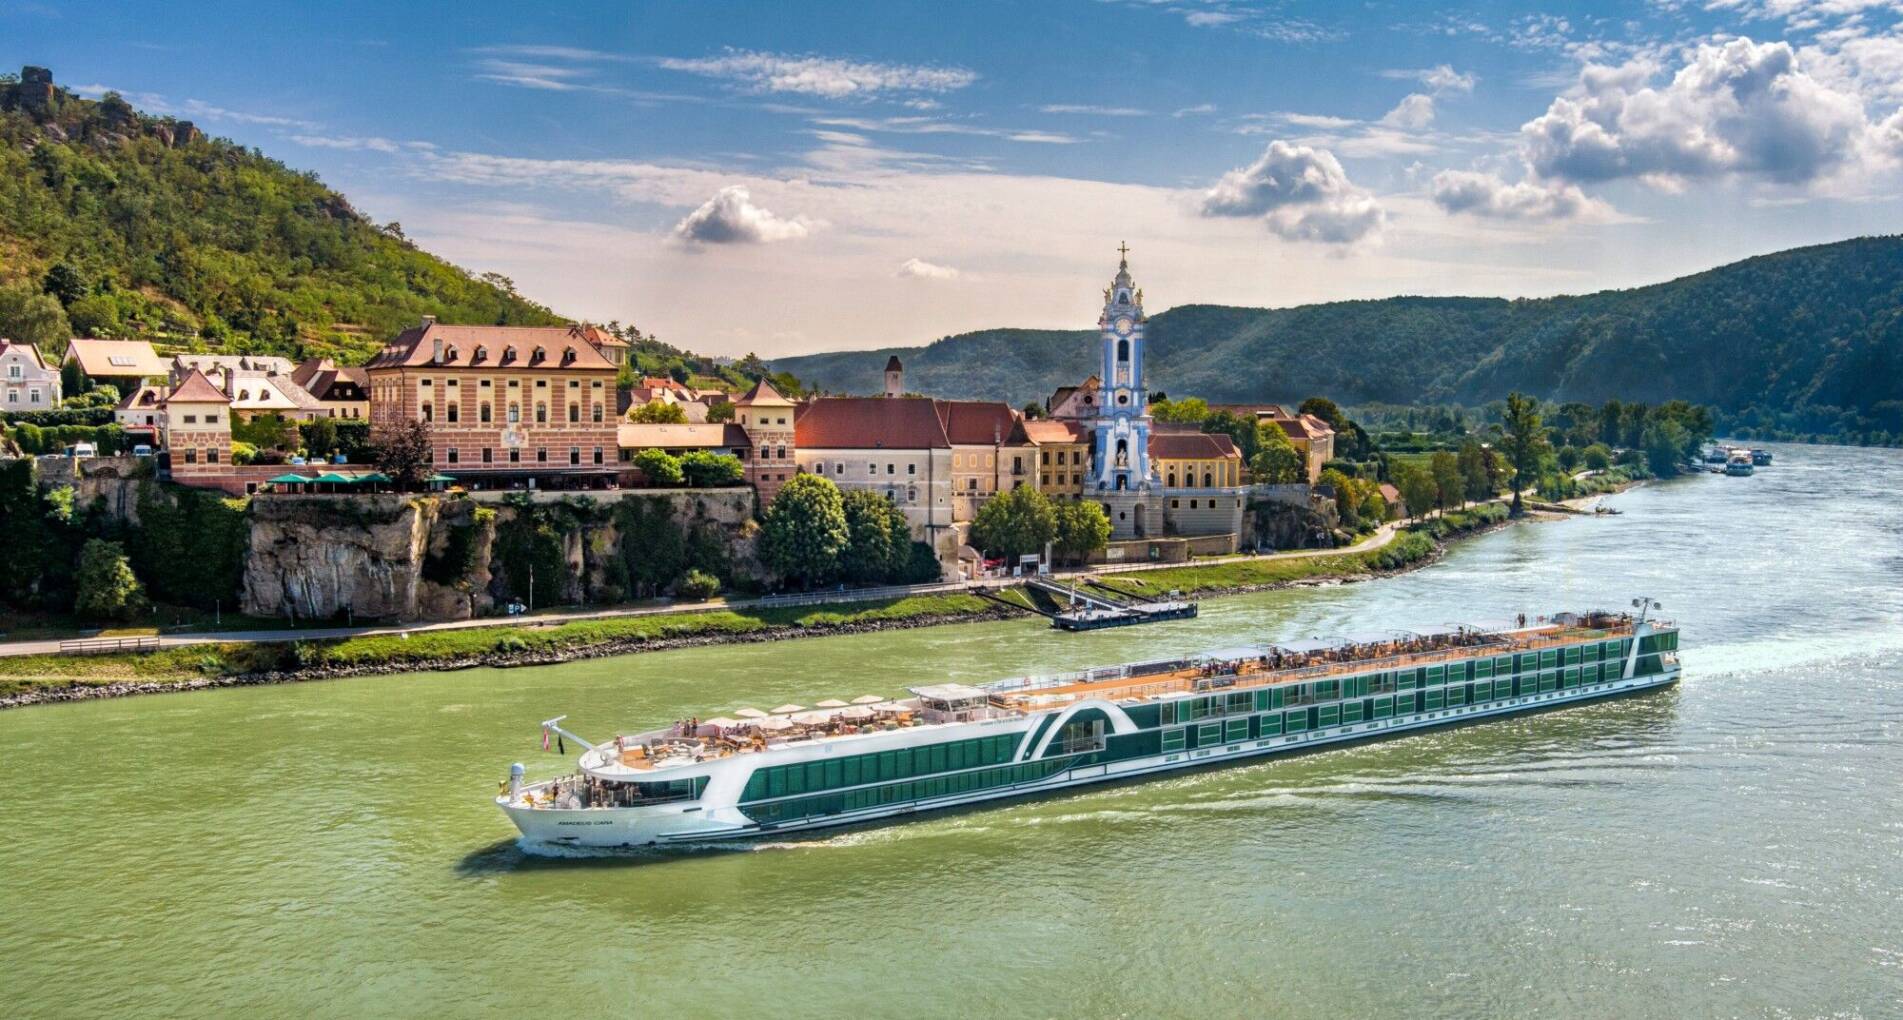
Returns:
<point x="858" y="712"/>
<point x="751" y="713"/>
<point x="830" y="703"/>
<point x="713" y="727"/>
<point x="867" y="699"/>
<point x="789" y="709"/>
<point x="778" y="722"/>
<point x="812" y="718"/>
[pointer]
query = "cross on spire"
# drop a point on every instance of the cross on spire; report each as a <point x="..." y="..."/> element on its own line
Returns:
<point x="1123" y="249"/>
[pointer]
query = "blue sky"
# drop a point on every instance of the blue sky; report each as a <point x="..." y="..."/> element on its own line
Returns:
<point x="795" y="177"/>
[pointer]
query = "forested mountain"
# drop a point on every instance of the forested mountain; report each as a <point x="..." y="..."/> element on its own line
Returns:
<point x="140" y="226"/>
<point x="1807" y="341"/>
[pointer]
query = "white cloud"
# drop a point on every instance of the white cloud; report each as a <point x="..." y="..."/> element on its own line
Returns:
<point x="1195" y="111"/>
<point x="920" y="269"/>
<point x="730" y="217"/>
<point x="1301" y="193"/>
<point x="830" y="77"/>
<point x="1100" y="111"/>
<point x="1485" y="194"/>
<point x="348" y="143"/>
<point x="1414" y="112"/>
<point x="924" y="125"/>
<point x="1441" y="79"/>
<point x="1740" y="108"/>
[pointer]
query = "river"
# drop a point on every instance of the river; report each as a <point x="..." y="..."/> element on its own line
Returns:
<point x="1729" y="847"/>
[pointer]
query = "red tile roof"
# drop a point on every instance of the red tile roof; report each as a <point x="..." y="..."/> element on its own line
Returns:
<point x="196" y="389"/>
<point x="642" y="435"/>
<point x="1047" y="430"/>
<point x="870" y="423"/>
<point x="762" y="393"/>
<point x="1190" y="446"/>
<point x="562" y="348"/>
<point x="979" y="422"/>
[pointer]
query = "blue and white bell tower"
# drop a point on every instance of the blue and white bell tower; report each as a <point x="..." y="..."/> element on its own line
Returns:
<point x="1123" y="417"/>
<point x="1121" y="447"/>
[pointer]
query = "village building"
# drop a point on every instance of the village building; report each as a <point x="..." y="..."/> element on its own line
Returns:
<point x="989" y="452"/>
<point x="898" y="448"/>
<point x="122" y="363"/>
<point x="725" y="438"/>
<point x="27" y="382"/>
<point x="195" y="429"/>
<point x="341" y="392"/>
<point x="140" y="410"/>
<point x="767" y="419"/>
<point x="505" y="405"/>
<point x="1063" y="456"/>
<point x="1313" y="438"/>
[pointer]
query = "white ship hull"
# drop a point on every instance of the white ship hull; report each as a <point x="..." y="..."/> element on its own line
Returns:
<point x="682" y="823"/>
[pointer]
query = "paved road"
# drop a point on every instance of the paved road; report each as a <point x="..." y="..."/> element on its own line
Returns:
<point x="1381" y="537"/>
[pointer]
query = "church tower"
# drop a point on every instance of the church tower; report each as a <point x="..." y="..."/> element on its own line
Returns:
<point x="1121" y="446"/>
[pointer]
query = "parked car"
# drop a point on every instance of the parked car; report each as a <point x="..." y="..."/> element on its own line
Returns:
<point x="142" y="450"/>
<point x="78" y="450"/>
<point x="295" y="459"/>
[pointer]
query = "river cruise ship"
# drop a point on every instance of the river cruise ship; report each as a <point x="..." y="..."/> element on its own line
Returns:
<point x="949" y="745"/>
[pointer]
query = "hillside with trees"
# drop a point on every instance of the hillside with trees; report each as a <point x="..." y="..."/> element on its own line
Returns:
<point x="1801" y="343"/>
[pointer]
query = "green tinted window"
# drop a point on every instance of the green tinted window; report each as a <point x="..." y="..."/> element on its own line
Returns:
<point x="1174" y="740"/>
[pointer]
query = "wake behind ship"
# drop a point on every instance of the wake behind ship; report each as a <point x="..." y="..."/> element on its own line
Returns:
<point x="951" y="744"/>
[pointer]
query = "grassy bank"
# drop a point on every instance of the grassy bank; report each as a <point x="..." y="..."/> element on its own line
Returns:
<point x="19" y="674"/>
<point x="528" y="643"/>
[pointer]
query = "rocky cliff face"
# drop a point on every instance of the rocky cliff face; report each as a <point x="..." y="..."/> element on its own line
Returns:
<point x="429" y="558"/>
<point x="314" y="557"/>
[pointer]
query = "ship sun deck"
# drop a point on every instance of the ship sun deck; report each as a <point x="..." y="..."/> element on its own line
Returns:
<point x="950" y="704"/>
<point x="1250" y="668"/>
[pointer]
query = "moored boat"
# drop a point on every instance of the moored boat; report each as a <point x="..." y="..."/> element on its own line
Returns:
<point x="950" y="745"/>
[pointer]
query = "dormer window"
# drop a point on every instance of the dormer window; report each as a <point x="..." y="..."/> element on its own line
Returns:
<point x="537" y="356"/>
<point x="449" y="354"/>
<point x="568" y="355"/>
<point x="508" y="355"/>
<point x="481" y="355"/>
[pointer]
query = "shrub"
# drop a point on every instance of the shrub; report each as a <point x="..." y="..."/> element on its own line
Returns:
<point x="107" y="588"/>
<point x="659" y="467"/>
<point x="704" y="469"/>
<point x="697" y="585"/>
<point x="243" y="452"/>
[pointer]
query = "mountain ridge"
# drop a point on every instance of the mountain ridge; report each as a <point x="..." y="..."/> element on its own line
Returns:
<point x="1808" y="339"/>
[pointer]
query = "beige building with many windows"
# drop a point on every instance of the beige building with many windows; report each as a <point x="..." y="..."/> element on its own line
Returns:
<point x="1063" y="456"/>
<point x="897" y="447"/>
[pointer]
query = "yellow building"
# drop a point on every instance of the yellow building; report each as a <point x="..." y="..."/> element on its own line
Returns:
<point x="1062" y="449"/>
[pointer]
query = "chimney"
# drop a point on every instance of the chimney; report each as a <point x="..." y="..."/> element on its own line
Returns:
<point x="428" y="321"/>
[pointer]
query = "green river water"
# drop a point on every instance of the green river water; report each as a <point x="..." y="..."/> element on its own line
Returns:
<point x="1729" y="847"/>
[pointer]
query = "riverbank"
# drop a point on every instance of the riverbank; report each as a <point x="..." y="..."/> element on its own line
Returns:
<point x="38" y="679"/>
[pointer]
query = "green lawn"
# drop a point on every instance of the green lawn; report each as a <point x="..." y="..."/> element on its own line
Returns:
<point x="19" y="673"/>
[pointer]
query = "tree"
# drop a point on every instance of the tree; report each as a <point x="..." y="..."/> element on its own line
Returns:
<point x="1476" y="471"/>
<point x="705" y="469"/>
<point x="1241" y="430"/>
<point x="1417" y="487"/>
<point x="1347" y="497"/>
<point x="1276" y="460"/>
<point x="66" y="283"/>
<point x="319" y="436"/>
<point x="1664" y="441"/>
<point x="270" y="431"/>
<point x="29" y="316"/>
<point x="1326" y="410"/>
<point x="1450" y="487"/>
<point x="404" y="451"/>
<point x="107" y="589"/>
<point x="721" y="412"/>
<point x="1568" y="457"/>
<point x="1014" y="523"/>
<point x="804" y="531"/>
<point x="1082" y="528"/>
<point x="656" y="412"/>
<point x="1187" y="411"/>
<point x="697" y="585"/>
<point x="1525" y="442"/>
<point x="1033" y="410"/>
<point x="1596" y="457"/>
<point x="659" y="467"/>
<point x="876" y="551"/>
